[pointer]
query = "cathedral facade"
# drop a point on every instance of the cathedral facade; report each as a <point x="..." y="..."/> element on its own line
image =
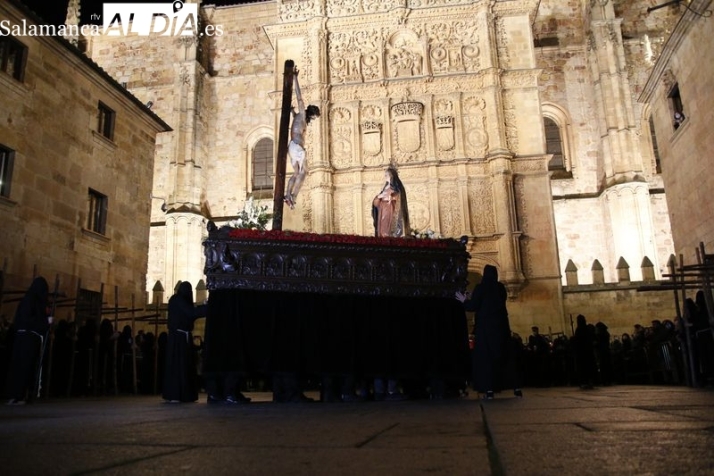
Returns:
<point x="513" y="122"/>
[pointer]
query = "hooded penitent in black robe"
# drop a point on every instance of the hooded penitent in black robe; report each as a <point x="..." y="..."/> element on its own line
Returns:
<point x="180" y="380"/>
<point x="492" y="331"/>
<point x="30" y="327"/>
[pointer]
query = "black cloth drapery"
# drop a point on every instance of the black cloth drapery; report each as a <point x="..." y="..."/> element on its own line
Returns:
<point x="267" y="331"/>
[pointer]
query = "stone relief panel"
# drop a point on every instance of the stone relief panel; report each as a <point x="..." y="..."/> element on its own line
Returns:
<point x="419" y="213"/>
<point x="530" y="165"/>
<point x="377" y="51"/>
<point x="408" y="131"/>
<point x="369" y="43"/>
<point x="435" y="3"/>
<point x="342" y="7"/>
<point x="355" y="56"/>
<point x="375" y="6"/>
<point x="502" y="44"/>
<point x="371" y="124"/>
<point x="344" y="212"/>
<point x="522" y="213"/>
<point x="474" y="119"/>
<point x="404" y="55"/>
<point x="444" y="128"/>
<point x="481" y="207"/>
<point x="337" y="8"/>
<point x="511" y="120"/>
<point x="483" y="247"/>
<point x="292" y="10"/>
<point x="341" y="149"/>
<point x="453" y="47"/>
<point x="449" y="213"/>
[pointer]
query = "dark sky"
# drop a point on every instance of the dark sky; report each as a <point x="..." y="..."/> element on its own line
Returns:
<point x="54" y="12"/>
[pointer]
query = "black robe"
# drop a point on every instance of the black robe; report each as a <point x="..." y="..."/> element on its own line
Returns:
<point x="492" y="332"/>
<point x="180" y="379"/>
<point x="30" y="329"/>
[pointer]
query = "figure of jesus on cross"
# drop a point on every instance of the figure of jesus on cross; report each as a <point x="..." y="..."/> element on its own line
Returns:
<point x="296" y="148"/>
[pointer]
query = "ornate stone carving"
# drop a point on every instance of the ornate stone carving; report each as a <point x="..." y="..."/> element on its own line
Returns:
<point x="520" y="79"/>
<point x="185" y="76"/>
<point x="453" y="47"/>
<point x="344" y="212"/>
<point x="511" y="121"/>
<point x="292" y="10"/>
<point x="502" y="47"/>
<point x="530" y="165"/>
<point x="371" y="137"/>
<point x="374" y="6"/>
<point x="371" y="131"/>
<point x="476" y="138"/>
<point x="483" y="246"/>
<point x="444" y="124"/>
<point x="523" y="225"/>
<point x="355" y="56"/>
<point x="407" y="121"/>
<point x="419" y="214"/>
<point x="341" y="137"/>
<point x="404" y="55"/>
<point x="481" y="207"/>
<point x="342" y="7"/>
<point x="449" y="213"/>
<point x="436" y="3"/>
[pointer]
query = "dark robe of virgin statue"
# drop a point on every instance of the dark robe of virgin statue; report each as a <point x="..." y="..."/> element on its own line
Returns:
<point x="180" y="379"/>
<point x="389" y="207"/>
<point x="492" y="332"/>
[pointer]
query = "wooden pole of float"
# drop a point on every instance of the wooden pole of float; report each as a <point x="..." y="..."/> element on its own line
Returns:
<point x="281" y="159"/>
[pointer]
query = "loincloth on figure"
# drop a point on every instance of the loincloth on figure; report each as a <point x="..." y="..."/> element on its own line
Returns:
<point x="296" y="152"/>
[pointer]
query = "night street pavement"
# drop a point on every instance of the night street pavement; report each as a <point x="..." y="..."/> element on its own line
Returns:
<point x="612" y="430"/>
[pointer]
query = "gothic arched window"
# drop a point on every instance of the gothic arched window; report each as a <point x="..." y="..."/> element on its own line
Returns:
<point x="553" y="144"/>
<point x="262" y="165"/>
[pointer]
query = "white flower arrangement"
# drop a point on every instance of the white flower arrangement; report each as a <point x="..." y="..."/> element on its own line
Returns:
<point x="428" y="233"/>
<point x="252" y="217"/>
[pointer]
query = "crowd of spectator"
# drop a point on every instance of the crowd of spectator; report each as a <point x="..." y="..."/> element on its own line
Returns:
<point x="664" y="352"/>
<point x="96" y="360"/>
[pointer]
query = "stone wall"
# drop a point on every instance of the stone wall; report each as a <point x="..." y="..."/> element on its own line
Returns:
<point x="619" y="306"/>
<point x="50" y="121"/>
<point x="688" y="151"/>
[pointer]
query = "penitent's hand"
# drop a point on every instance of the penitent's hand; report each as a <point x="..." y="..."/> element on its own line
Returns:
<point x="460" y="296"/>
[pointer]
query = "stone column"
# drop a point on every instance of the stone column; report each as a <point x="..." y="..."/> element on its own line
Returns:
<point x="628" y="206"/>
<point x="505" y="220"/>
<point x="626" y="194"/>
<point x="184" y="259"/>
<point x="318" y="163"/>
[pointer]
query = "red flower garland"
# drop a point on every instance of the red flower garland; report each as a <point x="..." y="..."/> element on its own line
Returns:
<point x="278" y="235"/>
